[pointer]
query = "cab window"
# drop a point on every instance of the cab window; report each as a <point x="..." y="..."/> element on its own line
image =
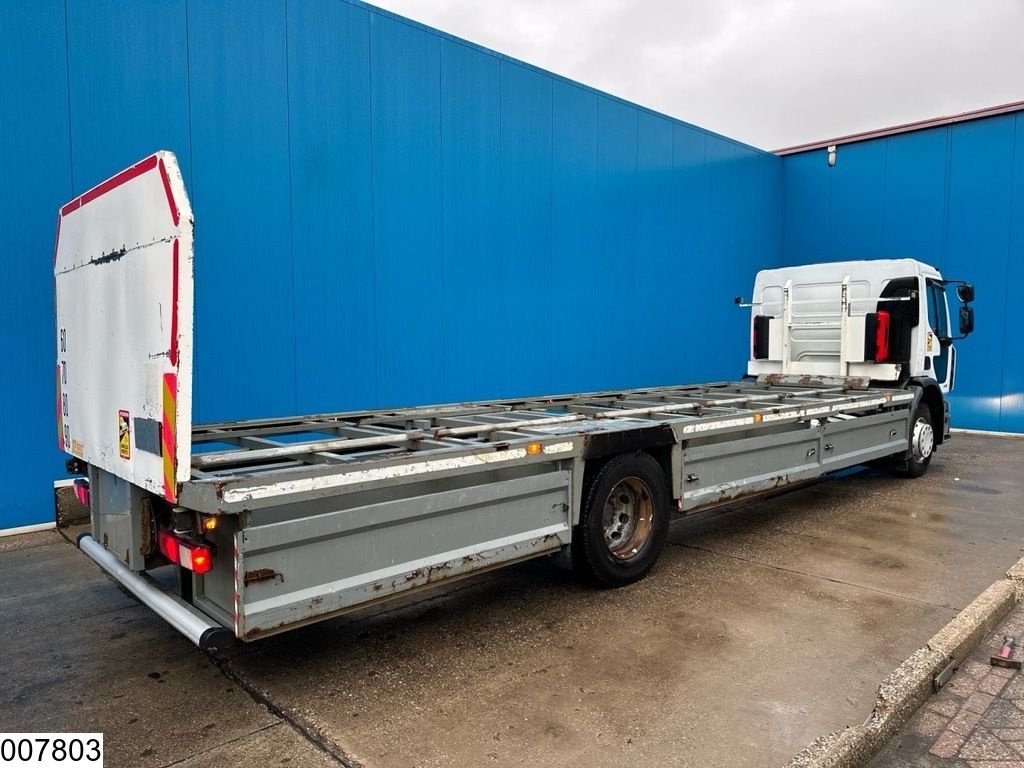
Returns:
<point x="937" y="318"/>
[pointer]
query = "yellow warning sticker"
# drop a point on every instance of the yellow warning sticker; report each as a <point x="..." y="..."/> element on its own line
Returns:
<point x="124" y="434"/>
<point x="929" y="341"/>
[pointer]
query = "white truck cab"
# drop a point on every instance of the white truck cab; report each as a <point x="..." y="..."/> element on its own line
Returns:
<point x="885" y="321"/>
<point x="863" y="323"/>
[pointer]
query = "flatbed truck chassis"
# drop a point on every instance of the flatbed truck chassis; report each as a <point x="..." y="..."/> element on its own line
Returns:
<point x="388" y="502"/>
<point x="272" y="524"/>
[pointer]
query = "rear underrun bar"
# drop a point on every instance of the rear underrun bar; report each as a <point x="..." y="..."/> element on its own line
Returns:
<point x="196" y="626"/>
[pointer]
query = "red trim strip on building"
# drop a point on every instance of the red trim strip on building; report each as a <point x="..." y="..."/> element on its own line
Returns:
<point x="917" y="125"/>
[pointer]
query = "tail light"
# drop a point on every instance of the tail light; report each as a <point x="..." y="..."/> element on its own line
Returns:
<point x="81" y="486"/>
<point x="760" y="337"/>
<point x="187" y="553"/>
<point x="876" y="336"/>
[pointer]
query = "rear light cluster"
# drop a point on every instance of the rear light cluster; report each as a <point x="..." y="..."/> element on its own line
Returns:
<point x="760" y="340"/>
<point x="188" y="553"/>
<point x="876" y="336"/>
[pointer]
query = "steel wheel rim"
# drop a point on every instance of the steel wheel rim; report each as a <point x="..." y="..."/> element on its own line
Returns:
<point x="627" y="518"/>
<point x="924" y="440"/>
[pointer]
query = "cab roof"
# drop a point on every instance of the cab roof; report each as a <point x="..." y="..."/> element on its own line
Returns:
<point x="834" y="271"/>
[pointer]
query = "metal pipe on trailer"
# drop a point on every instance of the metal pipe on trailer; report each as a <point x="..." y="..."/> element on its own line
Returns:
<point x="197" y="627"/>
<point x="221" y="458"/>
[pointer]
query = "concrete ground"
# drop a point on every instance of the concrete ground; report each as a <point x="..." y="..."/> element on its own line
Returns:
<point x="975" y="721"/>
<point x="759" y="630"/>
<point x="80" y="655"/>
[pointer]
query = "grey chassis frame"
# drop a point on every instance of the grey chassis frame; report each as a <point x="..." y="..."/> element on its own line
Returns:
<point x="323" y="514"/>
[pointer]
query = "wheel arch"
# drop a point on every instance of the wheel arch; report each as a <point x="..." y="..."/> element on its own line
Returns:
<point x="600" y="448"/>
<point x="931" y="395"/>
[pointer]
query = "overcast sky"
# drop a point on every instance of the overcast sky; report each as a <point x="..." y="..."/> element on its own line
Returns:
<point x="769" y="72"/>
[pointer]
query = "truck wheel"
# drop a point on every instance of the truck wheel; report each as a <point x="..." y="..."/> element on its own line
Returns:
<point x="624" y="521"/>
<point x="922" y="443"/>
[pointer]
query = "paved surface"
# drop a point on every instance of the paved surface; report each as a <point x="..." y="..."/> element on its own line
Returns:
<point x="759" y="630"/>
<point x="80" y="655"/>
<point x="975" y="721"/>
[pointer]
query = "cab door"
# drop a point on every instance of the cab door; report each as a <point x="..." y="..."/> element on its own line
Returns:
<point x="938" y="350"/>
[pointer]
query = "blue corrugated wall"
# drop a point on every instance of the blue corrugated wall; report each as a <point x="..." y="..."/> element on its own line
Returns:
<point x="384" y="214"/>
<point x="951" y="196"/>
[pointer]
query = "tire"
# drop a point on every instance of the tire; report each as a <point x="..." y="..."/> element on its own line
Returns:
<point x="624" y="521"/>
<point x="922" y="443"/>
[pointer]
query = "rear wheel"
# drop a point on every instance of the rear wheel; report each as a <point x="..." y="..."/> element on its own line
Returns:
<point x="624" y="521"/>
<point x="922" y="443"/>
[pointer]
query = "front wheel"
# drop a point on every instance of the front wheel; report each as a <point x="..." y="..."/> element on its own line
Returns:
<point x="922" y="443"/>
<point x="624" y="521"/>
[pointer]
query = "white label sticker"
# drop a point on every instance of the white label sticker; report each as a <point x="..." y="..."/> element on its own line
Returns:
<point x="49" y="750"/>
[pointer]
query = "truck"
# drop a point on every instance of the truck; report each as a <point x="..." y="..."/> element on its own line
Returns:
<point x="244" y="529"/>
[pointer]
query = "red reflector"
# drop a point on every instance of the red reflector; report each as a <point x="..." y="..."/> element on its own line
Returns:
<point x="82" y="490"/>
<point x="185" y="552"/>
<point x="882" y="337"/>
<point x="201" y="560"/>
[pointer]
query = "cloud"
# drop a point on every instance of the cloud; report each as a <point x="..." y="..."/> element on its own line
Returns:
<point x="769" y="72"/>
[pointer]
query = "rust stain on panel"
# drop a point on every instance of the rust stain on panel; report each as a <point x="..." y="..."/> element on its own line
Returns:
<point x="262" y="574"/>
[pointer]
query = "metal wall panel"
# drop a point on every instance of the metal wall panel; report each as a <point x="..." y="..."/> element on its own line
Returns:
<point x="1012" y="407"/>
<point x="121" y="102"/>
<point x="772" y="223"/>
<point x="976" y="249"/>
<point x="806" y="194"/>
<point x="244" y="317"/>
<point x="331" y="205"/>
<point x="405" y="83"/>
<point x="613" y="262"/>
<point x="760" y="179"/>
<point x="858" y="185"/>
<point x="691" y="233"/>
<point x="713" y="327"/>
<point x="36" y="163"/>
<point x="574" y="209"/>
<point x="949" y="196"/>
<point x="915" y="191"/>
<point x="471" y="173"/>
<point x="531" y="325"/>
<point x="384" y="214"/>
<point x="655" y="288"/>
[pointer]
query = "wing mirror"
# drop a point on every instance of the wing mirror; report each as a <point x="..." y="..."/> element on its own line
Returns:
<point x="966" y="315"/>
<point x="965" y="292"/>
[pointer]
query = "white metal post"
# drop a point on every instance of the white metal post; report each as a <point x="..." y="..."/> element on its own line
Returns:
<point x="844" y="313"/>
<point x="787" y="325"/>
